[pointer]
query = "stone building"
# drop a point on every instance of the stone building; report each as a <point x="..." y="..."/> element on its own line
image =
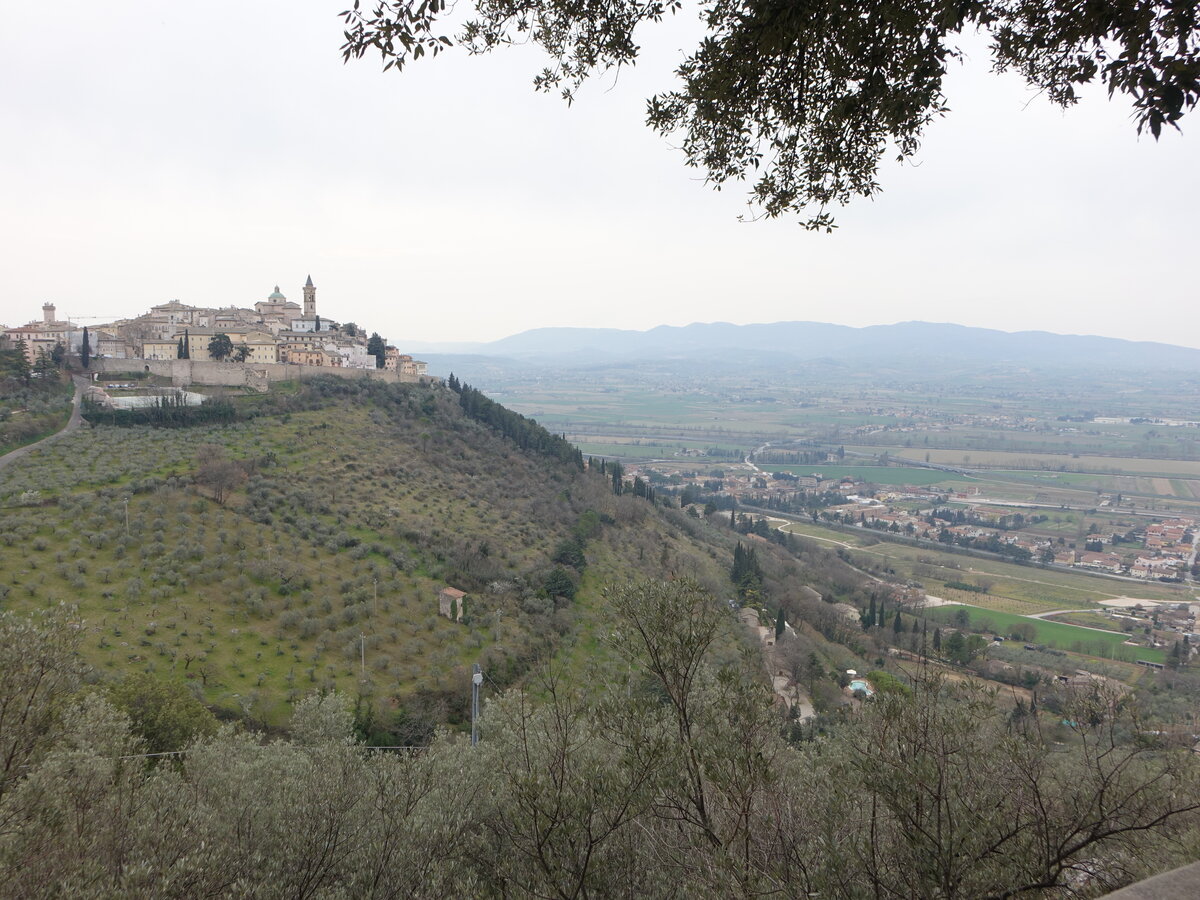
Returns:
<point x="450" y="603"/>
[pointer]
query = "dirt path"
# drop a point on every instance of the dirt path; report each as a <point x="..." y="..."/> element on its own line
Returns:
<point x="1047" y="583"/>
<point x="72" y="423"/>
<point x="1059" y="612"/>
<point x="826" y="540"/>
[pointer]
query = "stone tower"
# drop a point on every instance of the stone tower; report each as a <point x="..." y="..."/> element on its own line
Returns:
<point x="310" y="299"/>
<point x="48" y="313"/>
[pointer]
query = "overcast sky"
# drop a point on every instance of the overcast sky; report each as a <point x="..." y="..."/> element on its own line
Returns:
<point x="208" y="151"/>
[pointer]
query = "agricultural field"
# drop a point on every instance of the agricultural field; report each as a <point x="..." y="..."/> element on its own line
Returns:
<point x="1017" y="428"/>
<point x="1071" y="638"/>
<point x="632" y="449"/>
<point x="1087" y="619"/>
<point x="631" y="411"/>
<point x="1148" y="485"/>
<point x="1046" y="462"/>
<point x="1080" y="489"/>
<point x="997" y="602"/>
<point x="882" y="475"/>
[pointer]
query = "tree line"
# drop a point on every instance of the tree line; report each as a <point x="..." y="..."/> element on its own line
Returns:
<point x="524" y="432"/>
<point x="166" y="412"/>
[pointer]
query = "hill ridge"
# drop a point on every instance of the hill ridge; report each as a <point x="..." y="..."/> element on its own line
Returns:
<point x="809" y="340"/>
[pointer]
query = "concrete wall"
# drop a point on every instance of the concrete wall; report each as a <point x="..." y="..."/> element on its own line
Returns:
<point x="1178" y="884"/>
<point x="184" y="372"/>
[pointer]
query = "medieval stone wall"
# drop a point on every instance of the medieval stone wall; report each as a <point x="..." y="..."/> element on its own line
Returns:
<point x="185" y="372"/>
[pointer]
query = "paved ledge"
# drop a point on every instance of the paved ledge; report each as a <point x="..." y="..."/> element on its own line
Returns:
<point x="1178" y="884"/>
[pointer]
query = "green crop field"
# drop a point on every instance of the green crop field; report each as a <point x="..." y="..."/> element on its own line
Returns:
<point x="626" y="450"/>
<point x="1053" y="634"/>
<point x="891" y="475"/>
<point x="1086" y="618"/>
<point x="1067" y="462"/>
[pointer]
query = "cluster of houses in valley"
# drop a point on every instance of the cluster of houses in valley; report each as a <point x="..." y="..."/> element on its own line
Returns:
<point x="1164" y="620"/>
<point x="1162" y="550"/>
<point x="1166" y="550"/>
<point x="274" y="330"/>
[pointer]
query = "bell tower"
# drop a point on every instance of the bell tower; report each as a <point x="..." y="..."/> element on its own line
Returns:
<point x="310" y="299"/>
<point x="48" y="313"/>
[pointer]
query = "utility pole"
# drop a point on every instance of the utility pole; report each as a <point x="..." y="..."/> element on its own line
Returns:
<point x="375" y="588"/>
<point x="362" y="647"/>
<point x="126" y="517"/>
<point x="476" y="681"/>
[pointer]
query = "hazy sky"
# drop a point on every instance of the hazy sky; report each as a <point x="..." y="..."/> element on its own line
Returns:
<point x="207" y="151"/>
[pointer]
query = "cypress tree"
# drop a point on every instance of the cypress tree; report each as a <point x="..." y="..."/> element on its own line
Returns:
<point x="85" y="352"/>
<point x="22" y="362"/>
<point x="871" y="613"/>
<point x="897" y="624"/>
<point x="780" y="624"/>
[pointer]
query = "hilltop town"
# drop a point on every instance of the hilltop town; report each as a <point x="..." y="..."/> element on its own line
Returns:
<point x="274" y="331"/>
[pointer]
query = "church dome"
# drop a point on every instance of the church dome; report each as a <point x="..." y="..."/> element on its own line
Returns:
<point x="275" y="295"/>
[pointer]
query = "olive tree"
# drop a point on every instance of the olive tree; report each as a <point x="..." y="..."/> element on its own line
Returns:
<point x="39" y="670"/>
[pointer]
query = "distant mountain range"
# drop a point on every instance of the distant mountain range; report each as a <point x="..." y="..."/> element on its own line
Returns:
<point x="903" y="343"/>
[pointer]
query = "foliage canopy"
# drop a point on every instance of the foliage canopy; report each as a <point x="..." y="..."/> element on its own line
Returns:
<point x="220" y="347"/>
<point x="672" y="781"/>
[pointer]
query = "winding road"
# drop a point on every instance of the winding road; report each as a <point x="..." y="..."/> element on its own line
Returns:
<point x="73" y="423"/>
